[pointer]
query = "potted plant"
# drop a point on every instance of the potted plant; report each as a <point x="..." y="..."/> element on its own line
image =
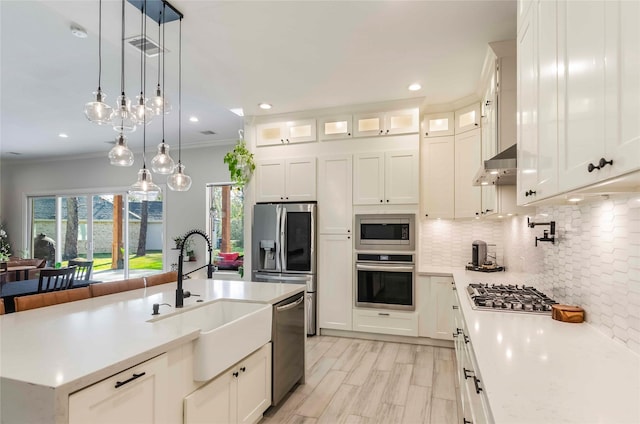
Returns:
<point x="240" y="162"/>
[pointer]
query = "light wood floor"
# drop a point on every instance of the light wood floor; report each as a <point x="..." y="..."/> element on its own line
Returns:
<point x="364" y="381"/>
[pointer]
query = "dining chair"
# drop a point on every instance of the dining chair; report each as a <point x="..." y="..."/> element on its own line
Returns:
<point x="110" y="287"/>
<point x="1" y="306"/>
<point x="40" y="300"/>
<point x="83" y="269"/>
<point x="55" y="279"/>
<point x="3" y="273"/>
<point x="162" y="278"/>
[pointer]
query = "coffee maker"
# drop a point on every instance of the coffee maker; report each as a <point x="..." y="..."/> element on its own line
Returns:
<point x="478" y="253"/>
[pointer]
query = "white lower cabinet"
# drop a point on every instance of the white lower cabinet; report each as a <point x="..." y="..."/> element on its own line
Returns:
<point x="335" y="273"/>
<point x="433" y="300"/>
<point x="239" y="395"/>
<point x="475" y="405"/>
<point x="137" y="395"/>
<point x="385" y="322"/>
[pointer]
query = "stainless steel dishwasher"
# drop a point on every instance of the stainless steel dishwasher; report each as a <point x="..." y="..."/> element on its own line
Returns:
<point x="288" y="338"/>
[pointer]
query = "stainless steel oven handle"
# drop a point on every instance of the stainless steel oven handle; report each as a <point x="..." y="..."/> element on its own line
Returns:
<point x="388" y="268"/>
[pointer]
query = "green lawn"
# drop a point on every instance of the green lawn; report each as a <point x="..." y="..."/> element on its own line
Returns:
<point x="152" y="260"/>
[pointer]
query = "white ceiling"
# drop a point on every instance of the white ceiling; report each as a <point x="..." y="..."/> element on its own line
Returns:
<point x="297" y="55"/>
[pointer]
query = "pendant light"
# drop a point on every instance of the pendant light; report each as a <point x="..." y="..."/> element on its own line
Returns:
<point x="144" y="188"/>
<point x="121" y="155"/>
<point x="98" y="111"/>
<point x="140" y="110"/>
<point x="158" y="103"/>
<point x="122" y="118"/>
<point x="162" y="163"/>
<point x="179" y="181"/>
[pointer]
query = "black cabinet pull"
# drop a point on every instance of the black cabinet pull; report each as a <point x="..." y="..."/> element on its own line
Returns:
<point x="426" y="214"/>
<point x="531" y="192"/>
<point x="591" y="167"/>
<point x="454" y="307"/>
<point x="383" y="314"/>
<point x="381" y="131"/>
<point x="466" y="421"/>
<point x="387" y="200"/>
<point x="243" y="369"/>
<point x="466" y="338"/>
<point x="134" y="377"/>
<point x="476" y="124"/>
<point x="387" y="131"/>
<point x="380" y="200"/>
<point x="465" y="373"/>
<point x="603" y="162"/>
<point x="476" y="382"/>
<point x="426" y="133"/>
<point x="349" y="134"/>
<point x="235" y="374"/>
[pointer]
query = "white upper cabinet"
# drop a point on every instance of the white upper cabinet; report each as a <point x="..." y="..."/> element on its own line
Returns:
<point x="335" y="127"/>
<point x="613" y="77"/>
<point x="335" y="194"/>
<point x="537" y="82"/>
<point x="386" y="178"/>
<point x="467" y="118"/>
<point x="286" y="180"/>
<point x="468" y="201"/>
<point x="438" y="124"/>
<point x="403" y="121"/>
<point x="285" y="132"/>
<point x="582" y="63"/>
<point x="437" y="180"/>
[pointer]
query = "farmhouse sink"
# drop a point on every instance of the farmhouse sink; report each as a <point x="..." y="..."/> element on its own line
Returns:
<point x="229" y="331"/>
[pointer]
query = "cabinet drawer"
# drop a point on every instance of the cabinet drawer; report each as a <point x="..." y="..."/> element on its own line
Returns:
<point x="385" y="322"/>
<point x="137" y="394"/>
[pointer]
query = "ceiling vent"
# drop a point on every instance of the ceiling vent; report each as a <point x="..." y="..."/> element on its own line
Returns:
<point x="147" y="45"/>
<point x="208" y="132"/>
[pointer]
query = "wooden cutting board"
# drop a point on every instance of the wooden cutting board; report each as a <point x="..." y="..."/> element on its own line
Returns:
<point x="567" y="313"/>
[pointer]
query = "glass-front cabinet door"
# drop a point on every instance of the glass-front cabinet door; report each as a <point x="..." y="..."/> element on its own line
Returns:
<point x="335" y="127"/>
<point x="438" y="124"/>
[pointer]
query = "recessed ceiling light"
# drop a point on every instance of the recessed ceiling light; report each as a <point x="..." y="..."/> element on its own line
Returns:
<point x="494" y="172"/>
<point x="484" y="183"/>
<point x="265" y="106"/>
<point x="63" y="135"/>
<point x="415" y="87"/>
<point x="193" y="119"/>
<point x="78" y="31"/>
<point x="238" y="111"/>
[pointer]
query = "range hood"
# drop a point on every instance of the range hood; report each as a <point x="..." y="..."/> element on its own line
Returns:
<point x="499" y="170"/>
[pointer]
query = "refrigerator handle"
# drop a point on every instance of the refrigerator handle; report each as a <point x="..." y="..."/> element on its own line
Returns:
<point x="278" y="246"/>
<point x="283" y="229"/>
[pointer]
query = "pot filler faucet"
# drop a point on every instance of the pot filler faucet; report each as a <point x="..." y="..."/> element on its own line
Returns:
<point x="181" y="294"/>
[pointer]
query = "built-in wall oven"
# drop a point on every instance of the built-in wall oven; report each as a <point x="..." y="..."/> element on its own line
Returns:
<point x="385" y="281"/>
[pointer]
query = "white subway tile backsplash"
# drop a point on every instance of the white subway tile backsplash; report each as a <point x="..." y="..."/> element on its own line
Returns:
<point x="594" y="263"/>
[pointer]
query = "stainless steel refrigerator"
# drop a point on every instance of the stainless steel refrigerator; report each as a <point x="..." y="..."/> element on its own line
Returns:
<point x="284" y="248"/>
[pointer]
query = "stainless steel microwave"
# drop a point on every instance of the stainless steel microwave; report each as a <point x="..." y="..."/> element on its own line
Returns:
<point x="385" y="232"/>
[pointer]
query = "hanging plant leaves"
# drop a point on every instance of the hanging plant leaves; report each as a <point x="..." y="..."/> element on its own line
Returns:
<point x="240" y="163"/>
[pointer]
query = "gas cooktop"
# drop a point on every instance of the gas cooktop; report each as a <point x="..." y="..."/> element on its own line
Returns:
<point x="509" y="298"/>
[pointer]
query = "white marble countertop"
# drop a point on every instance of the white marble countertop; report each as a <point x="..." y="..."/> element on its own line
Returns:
<point x="73" y="344"/>
<point x="538" y="370"/>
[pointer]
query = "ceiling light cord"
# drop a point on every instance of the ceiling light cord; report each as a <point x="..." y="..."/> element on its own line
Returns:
<point x="159" y="42"/>
<point x="180" y="93"/>
<point x="163" y="14"/>
<point x="99" y="44"/>
<point x="122" y="53"/>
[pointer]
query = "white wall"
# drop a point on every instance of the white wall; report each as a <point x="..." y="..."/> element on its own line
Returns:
<point x="595" y="262"/>
<point x="184" y="210"/>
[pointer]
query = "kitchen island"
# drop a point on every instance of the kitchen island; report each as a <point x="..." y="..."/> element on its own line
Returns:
<point x="49" y="353"/>
<point x="534" y="369"/>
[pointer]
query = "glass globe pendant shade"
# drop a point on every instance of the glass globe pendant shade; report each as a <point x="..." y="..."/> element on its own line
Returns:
<point x="122" y="118"/>
<point x="179" y="181"/>
<point x="162" y="163"/>
<point x="142" y="113"/>
<point x="98" y="111"/>
<point x="144" y="188"/>
<point x="158" y="103"/>
<point x="120" y="155"/>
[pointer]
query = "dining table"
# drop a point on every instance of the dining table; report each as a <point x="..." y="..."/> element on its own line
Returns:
<point x="9" y="291"/>
<point x="21" y="268"/>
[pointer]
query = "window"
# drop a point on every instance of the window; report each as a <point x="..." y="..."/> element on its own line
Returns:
<point x="225" y="225"/>
<point x="122" y="236"/>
